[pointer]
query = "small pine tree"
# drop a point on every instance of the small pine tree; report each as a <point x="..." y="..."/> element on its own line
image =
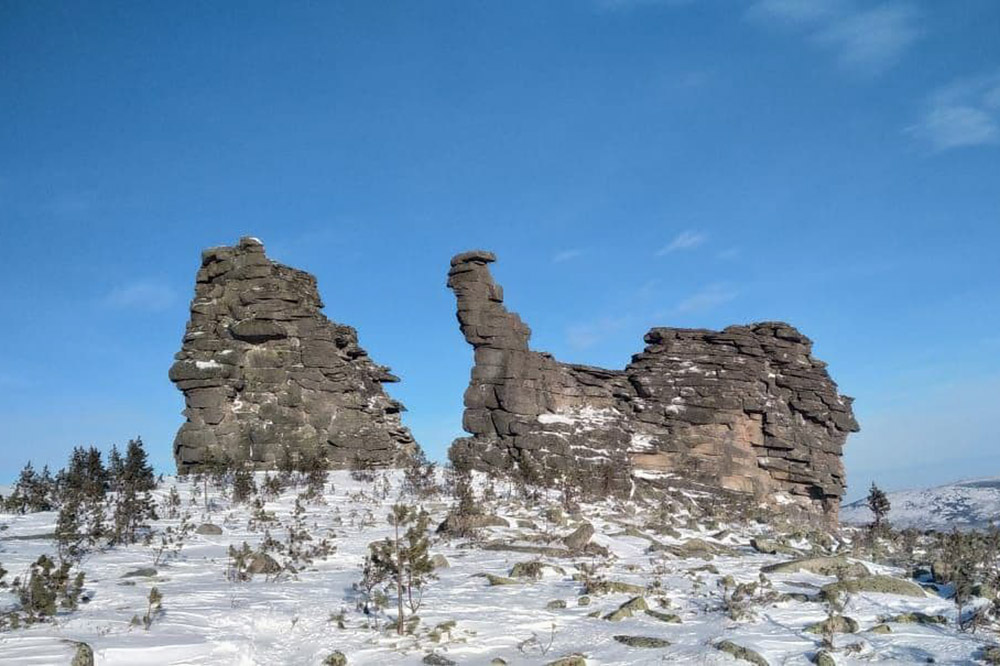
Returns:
<point x="402" y="559"/>
<point x="116" y="468"/>
<point x="879" y="505"/>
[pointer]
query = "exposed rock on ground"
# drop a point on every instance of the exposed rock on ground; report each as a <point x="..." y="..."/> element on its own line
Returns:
<point x="268" y="379"/>
<point x="747" y="409"/>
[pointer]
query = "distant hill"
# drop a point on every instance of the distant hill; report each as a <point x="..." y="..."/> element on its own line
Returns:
<point x="964" y="504"/>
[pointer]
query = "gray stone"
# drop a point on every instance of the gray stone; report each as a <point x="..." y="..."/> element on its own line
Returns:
<point x="84" y="655"/>
<point x="580" y="537"/>
<point x="747" y="409"/>
<point x="208" y="529"/>
<point x="262" y="563"/>
<point x="268" y="379"/>
<point x="642" y="641"/>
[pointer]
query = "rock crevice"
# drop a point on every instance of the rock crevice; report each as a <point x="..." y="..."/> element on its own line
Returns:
<point x="747" y="409"/>
<point x="268" y="379"/>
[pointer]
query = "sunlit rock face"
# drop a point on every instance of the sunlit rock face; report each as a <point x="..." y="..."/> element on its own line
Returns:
<point x="747" y="409"/>
<point x="268" y="379"/>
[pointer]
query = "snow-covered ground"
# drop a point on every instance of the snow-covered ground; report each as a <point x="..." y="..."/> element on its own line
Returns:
<point x="206" y="619"/>
<point x="964" y="504"/>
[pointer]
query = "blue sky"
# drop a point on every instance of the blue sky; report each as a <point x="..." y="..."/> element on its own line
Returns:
<point x="835" y="164"/>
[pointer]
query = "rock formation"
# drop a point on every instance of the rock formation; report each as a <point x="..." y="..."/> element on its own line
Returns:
<point x="747" y="409"/>
<point x="267" y="379"/>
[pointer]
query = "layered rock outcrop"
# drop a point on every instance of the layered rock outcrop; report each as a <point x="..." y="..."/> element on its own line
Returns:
<point x="268" y="379"/>
<point x="747" y="409"/>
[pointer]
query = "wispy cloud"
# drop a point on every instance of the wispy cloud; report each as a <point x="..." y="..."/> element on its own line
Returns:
<point x="145" y="295"/>
<point x="586" y="335"/>
<point x="566" y="255"/>
<point x="965" y="113"/>
<point x="864" y="38"/>
<point x="707" y="298"/>
<point x="686" y="240"/>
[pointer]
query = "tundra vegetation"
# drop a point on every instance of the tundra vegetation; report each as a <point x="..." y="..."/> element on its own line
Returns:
<point x="437" y="565"/>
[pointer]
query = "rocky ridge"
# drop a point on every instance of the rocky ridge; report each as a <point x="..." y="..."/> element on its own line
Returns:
<point x="268" y="379"/>
<point x="747" y="409"/>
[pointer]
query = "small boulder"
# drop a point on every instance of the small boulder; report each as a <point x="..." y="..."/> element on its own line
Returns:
<point x="771" y="547"/>
<point x="501" y="580"/>
<point x="741" y="653"/>
<point x="839" y="624"/>
<point x="145" y="572"/>
<point x="880" y="629"/>
<point x="569" y="660"/>
<point x="208" y="529"/>
<point x="823" y="658"/>
<point x="439" y="561"/>
<point x="580" y="537"/>
<point x="879" y="584"/>
<point x="663" y="617"/>
<point x="642" y="641"/>
<point x="435" y="659"/>
<point x="627" y="609"/>
<point x="824" y="566"/>
<point x="84" y="655"/>
<point x="262" y="563"/>
<point x="336" y="658"/>
<point x="556" y="604"/>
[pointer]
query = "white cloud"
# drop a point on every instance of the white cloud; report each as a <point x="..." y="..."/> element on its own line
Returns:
<point x="144" y="295"/>
<point x="965" y="113"/>
<point x="685" y="240"/>
<point x="566" y="255"/>
<point x="872" y="41"/>
<point x="706" y="298"/>
<point x="864" y="39"/>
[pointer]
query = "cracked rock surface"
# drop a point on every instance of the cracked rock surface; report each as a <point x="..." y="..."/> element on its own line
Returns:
<point x="267" y="378"/>
<point x="747" y="409"/>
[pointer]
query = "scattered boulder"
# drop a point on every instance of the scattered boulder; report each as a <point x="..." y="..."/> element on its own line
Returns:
<point x="84" y="655"/>
<point x="208" y="529"/>
<point x="569" y="660"/>
<point x="435" y="659"/>
<point x="262" y="563"/>
<point x="627" y="609"/>
<point x="875" y="583"/>
<point x="580" y="537"/>
<point x="556" y="604"/>
<point x="916" y="617"/>
<point x="642" y="641"/>
<point x="838" y="624"/>
<point x="824" y="566"/>
<point x="599" y="587"/>
<point x="823" y="658"/>
<point x="456" y="523"/>
<point x="501" y="580"/>
<point x="880" y="629"/>
<point x="741" y="653"/>
<point x="771" y="547"/>
<point x="531" y="569"/>
<point x="663" y="617"/>
<point x="439" y="561"/>
<point x="335" y="658"/>
<point x="145" y="572"/>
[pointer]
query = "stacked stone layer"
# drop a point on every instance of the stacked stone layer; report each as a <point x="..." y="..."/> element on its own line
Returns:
<point x="747" y="409"/>
<point x="268" y="379"/>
